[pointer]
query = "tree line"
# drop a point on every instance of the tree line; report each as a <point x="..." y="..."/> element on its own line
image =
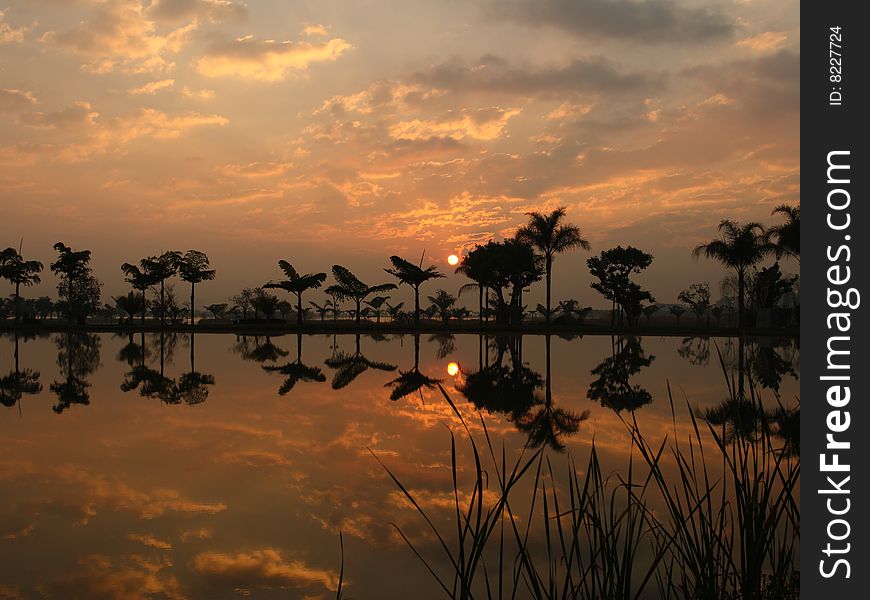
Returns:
<point x="501" y="272"/>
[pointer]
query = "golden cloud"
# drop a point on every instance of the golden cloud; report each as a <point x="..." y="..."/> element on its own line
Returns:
<point x="119" y="36"/>
<point x="150" y="541"/>
<point x="152" y="87"/>
<point x="256" y="169"/>
<point x="138" y="578"/>
<point x="261" y="568"/>
<point x="266" y="60"/>
<point x="480" y="124"/>
<point x="76" y="116"/>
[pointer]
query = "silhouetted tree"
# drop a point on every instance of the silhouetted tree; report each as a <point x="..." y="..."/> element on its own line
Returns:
<point x="649" y="310"/>
<point x="614" y="268"/>
<point x="443" y="302"/>
<point x="159" y="269"/>
<point x="130" y="304"/>
<point x="548" y="235"/>
<point x="678" y="310"/>
<point x="349" y="287"/>
<point x="297" y="284"/>
<point x="476" y="265"/>
<point x="394" y="310"/>
<point x="78" y="290"/>
<point x="140" y="280"/>
<point x="414" y="276"/>
<point x="242" y="301"/>
<point x="787" y="236"/>
<point x="217" y="310"/>
<point x="18" y="272"/>
<point x="740" y="247"/>
<point x="265" y="303"/>
<point x="697" y="296"/>
<point x="193" y="268"/>
<point x="376" y="303"/>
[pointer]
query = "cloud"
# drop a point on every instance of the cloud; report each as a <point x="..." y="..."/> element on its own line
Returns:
<point x="213" y="10"/>
<point x="315" y="30"/>
<point x="266" y="60"/>
<point x="202" y="94"/>
<point x="256" y="169"/>
<point x="152" y="87"/>
<point x="8" y="33"/>
<point x="15" y="100"/>
<point x="493" y="74"/>
<point x="150" y="541"/>
<point x="133" y="578"/>
<point x="77" y="116"/>
<point x="648" y="21"/>
<point x="119" y="36"/>
<point x="480" y="124"/>
<point x="764" y="42"/>
<point x="259" y="569"/>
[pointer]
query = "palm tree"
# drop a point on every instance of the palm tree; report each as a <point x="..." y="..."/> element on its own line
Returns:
<point x="296" y="371"/>
<point x="322" y="310"/>
<point x="739" y="248"/>
<point x="787" y="236"/>
<point x="297" y="284"/>
<point x="19" y="272"/>
<point x="395" y="310"/>
<point x="376" y="303"/>
<point x="138" y="280"/>
<point x="350" y="366"/>
<point x="130" y="304"/>
<point x="443" y="301"/>
<point x="159" y="269"/>
<point x="193" y="268"/>
<point x="414" y="276"/>
<point x="547" y="234"/>
<point x="218" y="310"/>
<point x="351" y="288"/>
<point x="476" y="266"/>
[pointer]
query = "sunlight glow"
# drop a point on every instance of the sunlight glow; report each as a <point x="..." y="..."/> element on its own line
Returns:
<point x="452" y="260"/>
<point x="453" y="369"/>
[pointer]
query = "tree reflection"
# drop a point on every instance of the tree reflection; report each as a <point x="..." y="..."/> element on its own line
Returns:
<point x="190" y="388"/>
<point x="296" y="371"/>
<point x="18" y="382"/>
<point x="549" y="424"/>
<point x="696" y="350"/>
<point x="411" y="381"/>
<point x="513" y="389"/>
<point x="78" y="356"/>
<point x="446" y="344"/>
<point x="613" y="387"/>
<point x="258" y="351"/>
<point x="351" y="366"/>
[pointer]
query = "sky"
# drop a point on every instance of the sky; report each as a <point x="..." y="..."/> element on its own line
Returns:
<point x="345" y="131"/>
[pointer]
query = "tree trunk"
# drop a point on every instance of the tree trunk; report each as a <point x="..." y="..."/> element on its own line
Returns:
<point x="17" y="301"/>
<point x="357" y="311"/>
<point x="549" y="281"/>
<point x="741" y="309"/>
<point x="192" y="286"/>
<point x="162" y="303"/>
<point x="299" y="308"/>
<point x="480" y="304"/>
<point x="416" y="304"/>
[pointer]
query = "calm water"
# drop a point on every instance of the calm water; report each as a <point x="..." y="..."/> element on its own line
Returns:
<point x="158" y="470"/>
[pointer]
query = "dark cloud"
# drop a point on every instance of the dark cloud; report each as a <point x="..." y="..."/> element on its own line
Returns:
<point x="494" y="74"/>
<point x="642" y="20"/>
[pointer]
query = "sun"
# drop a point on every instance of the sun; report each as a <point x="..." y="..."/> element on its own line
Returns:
<point x="453" y="369"/>
<point x="452" y="260"/>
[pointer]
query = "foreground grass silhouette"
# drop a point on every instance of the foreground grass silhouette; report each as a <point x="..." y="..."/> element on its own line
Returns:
<point x="589" y="536"/>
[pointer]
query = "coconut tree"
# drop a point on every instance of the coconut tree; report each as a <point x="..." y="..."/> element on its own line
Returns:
<point x="739" y="247"/>
<point x="194" y="268"/>
<point x="787" y="236"/>
<point x="476" y="265"/>
<point x="18" y="272"/>
<point x="296" y="371"/>
<point x="138" y="280"/>
<point x="414" y="276"/>
<point x="130" y="304"/>
<point x="159" y="269"/>
<point x="550" y="236"/>
<point x="218" y="310"/>
<point x="351" y="288"/>
<point x="444" y="302"/>
<point x="297" y="284"/>
<point x="322" y="310"/>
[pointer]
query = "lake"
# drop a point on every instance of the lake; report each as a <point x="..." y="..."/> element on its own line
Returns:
<point x="154" y="466"/>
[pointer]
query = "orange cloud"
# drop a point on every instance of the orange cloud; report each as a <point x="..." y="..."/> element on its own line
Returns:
<point x="480" y="124"/>
<point x="76" y="116"/>
<point x="100" y="577"/>
<point x="152" y="87"/>
<point x="8" y="33"/>
<point x="150" y="541"/>
<point x="261" y="568"/>
<point x="764" y="42"/>
<point x="119" y="36"/>
<point x="266" y="60"/>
